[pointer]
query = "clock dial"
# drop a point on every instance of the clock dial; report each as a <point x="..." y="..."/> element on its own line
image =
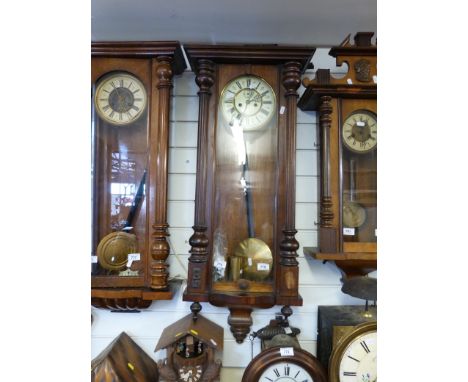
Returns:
<point x="190" y="373"/>
<point x="120" y="99"/>
<point x="359" y="360"/>
<point x="248" y="101"/>
<point x="285" y="371"/>
<point x="359" y="132"/>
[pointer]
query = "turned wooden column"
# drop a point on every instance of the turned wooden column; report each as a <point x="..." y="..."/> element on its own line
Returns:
<point x="159" y="246"/>
<point x="197" y="276"/>
<point x="288" y="285"/>
<point x="326" y="212"/>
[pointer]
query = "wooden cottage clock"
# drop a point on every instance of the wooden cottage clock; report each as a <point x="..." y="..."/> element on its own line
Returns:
<point x="243" y="249"/>
<point x="190" y="346"/>
<point x="131" y="84"/>
<point x="347" y="116"/>
<point x="123" y="360"/>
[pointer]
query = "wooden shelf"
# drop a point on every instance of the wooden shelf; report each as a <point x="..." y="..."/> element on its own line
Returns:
<point x="350" y="264"/>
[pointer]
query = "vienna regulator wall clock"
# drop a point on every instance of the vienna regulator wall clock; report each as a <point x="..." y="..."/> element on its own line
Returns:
<point x="347" y="115"/>
<point x="243" y="249"/>
<point x="131" y="84"/>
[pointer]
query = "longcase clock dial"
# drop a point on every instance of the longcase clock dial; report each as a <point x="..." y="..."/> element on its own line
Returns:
<point x="120" y="99"/>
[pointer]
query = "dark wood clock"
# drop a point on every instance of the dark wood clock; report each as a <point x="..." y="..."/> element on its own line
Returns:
<point x="347" y="110"/>
<point x="243" y="249"/>
<point x="131" y="85"/>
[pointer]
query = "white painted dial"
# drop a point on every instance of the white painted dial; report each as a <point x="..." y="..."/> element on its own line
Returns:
<point x="285" y="372"/>
<point x="359" y="360"/>
<point x="359" y="132"/>
<point x="190" y="373"/>
<point x="248" y="101"/>
<point x="120" y="98"/>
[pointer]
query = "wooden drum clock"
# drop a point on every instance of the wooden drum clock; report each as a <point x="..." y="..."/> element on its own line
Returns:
<point x="347" y="116"/>
<point x="131" y="84"/>
<point x="243" y="249"/>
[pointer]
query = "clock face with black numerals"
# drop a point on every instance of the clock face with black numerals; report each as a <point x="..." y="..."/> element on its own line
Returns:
<point x="359" y="132"/>
<point x="120" y="98"/>
<point x="354" y="359"/>
<point x="285" y="372"/>
<point x="359" y="360"/>
<point x="248" y="101"/>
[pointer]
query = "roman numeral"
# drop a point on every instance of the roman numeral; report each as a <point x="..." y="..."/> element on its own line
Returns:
<point x="276" y="372"/>
<point x="264" y="93"/>
<point x="286" y="370"/>
<point x="112" y="84"/>
<point x="239" y="84"/>
<point x="121" y="84"/>
<point x="297" y="374"/>
<point x="264" y="111"/>
<point x="354" y="359"/>
<point x="136" y="91"/>
<point x="269" y="379"/>
<point x="136" y="108"/>
<point x="230" y="100"/>
<point x="349" y="373"/>
<point x="364" y="345"/>
<point x="106" y="107"/>
<point x="267" y="102"/>
<point x="129" y="86"/>
<point x="248" y="82"/>
<point x="111" y="115"/>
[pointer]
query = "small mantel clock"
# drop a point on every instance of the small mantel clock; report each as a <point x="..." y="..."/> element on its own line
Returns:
<point x="347" y="110"/>
<point x="243" y="249"/>
<point x="131" y="84"/>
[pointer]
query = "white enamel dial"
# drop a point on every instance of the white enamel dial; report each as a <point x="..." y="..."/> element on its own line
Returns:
<point x="359" y="360"/>
<point x="285" y="372"/>
<point x="248" y="101"/>
<point x="190" y="373"/>
<point x="120" y="98"/>
<point x="359" y="132"/>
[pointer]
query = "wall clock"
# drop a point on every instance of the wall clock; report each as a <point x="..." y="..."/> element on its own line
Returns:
<point x="355" y="356"/>
<point x="336" y="321"/>
<point x="120" y="98"/>
<point x="190" y="350"/>
<point x="243" y="249"/>
<point x="347" y="114"/>
<point x="131" y="85"/>
<point x="273" y="365"/>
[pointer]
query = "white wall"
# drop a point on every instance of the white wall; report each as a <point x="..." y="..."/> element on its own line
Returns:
<point x="319" y="283"/>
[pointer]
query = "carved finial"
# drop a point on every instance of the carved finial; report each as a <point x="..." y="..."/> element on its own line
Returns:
<point x="195" y="308"/>
<point x="363" y="38"/>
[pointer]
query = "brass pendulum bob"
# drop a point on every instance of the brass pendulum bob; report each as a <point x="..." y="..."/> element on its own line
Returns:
<point x="114" y="248"/>
<point x="354" y="215"/>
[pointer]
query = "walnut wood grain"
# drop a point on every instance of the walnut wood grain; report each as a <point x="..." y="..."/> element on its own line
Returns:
<point x="154" y="63"/>
<point x="272" y="163"/>
<point x="335" y="99"/>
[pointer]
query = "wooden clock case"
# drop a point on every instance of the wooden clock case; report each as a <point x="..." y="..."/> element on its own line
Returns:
<point x="334" y="99"/>
<point x="154" y="64"/>
<point x="215" y="66"/>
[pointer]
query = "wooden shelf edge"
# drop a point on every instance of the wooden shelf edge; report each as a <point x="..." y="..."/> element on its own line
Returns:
<point x="144" y="294"/>
<point x="346" y="256"/>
